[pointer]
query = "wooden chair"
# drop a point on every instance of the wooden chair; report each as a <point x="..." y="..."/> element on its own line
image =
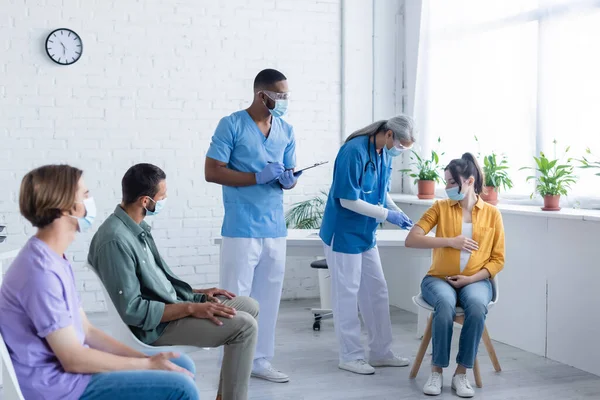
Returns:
<point x="460" y="317"/>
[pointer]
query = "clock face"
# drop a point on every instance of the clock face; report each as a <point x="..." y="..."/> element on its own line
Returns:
<point x="64" y="46"/>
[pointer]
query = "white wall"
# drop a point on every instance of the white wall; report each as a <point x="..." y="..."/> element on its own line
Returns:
<point x="357" y="65"/>
<point x="154" y="80"/>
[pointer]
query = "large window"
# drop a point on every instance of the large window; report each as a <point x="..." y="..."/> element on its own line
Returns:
<point x="518" y="74"/>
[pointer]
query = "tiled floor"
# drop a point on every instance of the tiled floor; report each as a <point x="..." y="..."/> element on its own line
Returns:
<point x="310" y="358"/>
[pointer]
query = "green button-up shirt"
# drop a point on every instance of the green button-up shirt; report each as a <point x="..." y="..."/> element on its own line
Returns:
<point x="119" y="255"/>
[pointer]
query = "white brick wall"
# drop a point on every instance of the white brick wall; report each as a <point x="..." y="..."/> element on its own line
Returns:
<point x="154" y="79"/>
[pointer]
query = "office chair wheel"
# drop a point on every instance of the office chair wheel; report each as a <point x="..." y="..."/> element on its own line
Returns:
<point x="317" y="326"/>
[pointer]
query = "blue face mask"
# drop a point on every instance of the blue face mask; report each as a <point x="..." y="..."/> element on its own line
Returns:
<point x="280" y="109"/>
<point x="84" y="223"/>
<point x="393" y="152"/>
<point x="159" y="205"/>
<point x="454" y="195"/>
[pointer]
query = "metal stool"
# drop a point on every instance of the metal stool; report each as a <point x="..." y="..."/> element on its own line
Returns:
<point x="325" y="311"/>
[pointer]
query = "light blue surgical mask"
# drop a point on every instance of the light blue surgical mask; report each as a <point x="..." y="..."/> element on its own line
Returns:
<point x="280" y="109"/>
<point x="159" y="205"/>
<point x="393" y="152"/>
<point x="453" y="194"/>
<point x="85" y="223"/>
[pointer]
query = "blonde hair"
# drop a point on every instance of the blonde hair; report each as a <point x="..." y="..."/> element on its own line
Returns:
<point x="48" y="191"/>
<point x="402" y="127"/>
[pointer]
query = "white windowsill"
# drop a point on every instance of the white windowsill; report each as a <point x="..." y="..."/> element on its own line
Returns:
<point x="565" y="213"/>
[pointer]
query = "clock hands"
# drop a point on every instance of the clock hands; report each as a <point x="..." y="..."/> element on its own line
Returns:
<point x="64" y="48"/>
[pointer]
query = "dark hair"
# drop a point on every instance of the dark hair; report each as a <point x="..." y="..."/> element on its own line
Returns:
<point x="48" y="191"/>
<point x="465" y="167"/>
<point x="267" y="78"/>
<point x="141" y="180"/>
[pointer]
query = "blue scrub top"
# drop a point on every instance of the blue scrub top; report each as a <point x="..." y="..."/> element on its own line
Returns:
<point x="253" y="211"/>
<point x="355" y="233"/>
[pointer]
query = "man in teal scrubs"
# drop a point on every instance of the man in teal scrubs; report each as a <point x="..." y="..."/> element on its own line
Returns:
<point x="253" y="155"/>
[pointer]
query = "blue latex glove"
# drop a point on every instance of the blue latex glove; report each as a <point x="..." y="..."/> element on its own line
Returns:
<point x="270" y="173"/>
<point x="400" y="219"/>
<point x="289" y="178"/>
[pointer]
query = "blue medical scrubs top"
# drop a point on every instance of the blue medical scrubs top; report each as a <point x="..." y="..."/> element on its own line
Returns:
<point x="354" y="177"/>
<point x="253" y="211"/>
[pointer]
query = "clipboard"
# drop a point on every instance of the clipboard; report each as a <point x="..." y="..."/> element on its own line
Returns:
<point x="309" y="167"/>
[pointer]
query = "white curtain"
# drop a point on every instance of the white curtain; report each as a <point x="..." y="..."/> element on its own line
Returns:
<point x="515" y="73"/>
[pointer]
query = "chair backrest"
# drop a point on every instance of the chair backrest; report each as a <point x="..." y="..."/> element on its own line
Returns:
<point x="495" y="290"/>
<point x="10" y="388"/>
<point x="118" y="329"/>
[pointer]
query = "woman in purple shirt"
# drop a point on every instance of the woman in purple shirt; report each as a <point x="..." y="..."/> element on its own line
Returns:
<point x="56" y="352"/>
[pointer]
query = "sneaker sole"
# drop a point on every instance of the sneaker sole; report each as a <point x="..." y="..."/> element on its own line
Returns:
<point x="356" y="372"/>
<point x="266" y="378"/>
<point x="464" y="397"/>
<point x="390" y="366"/>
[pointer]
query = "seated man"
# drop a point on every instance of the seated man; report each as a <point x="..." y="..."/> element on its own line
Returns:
<point x="159" y="308"/>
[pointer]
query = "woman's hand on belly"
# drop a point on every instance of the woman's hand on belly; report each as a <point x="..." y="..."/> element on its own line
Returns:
<point x="464" y="243"/>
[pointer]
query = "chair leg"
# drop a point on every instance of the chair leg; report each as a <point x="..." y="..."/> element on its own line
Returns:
<point x="477" y="374"/>
<point x="422" y="349"/>
<point x="490" y="349"/>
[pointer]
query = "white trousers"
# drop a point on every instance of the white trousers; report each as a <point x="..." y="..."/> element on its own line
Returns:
<point x="255" y="268"/>
<point x="358" y="283"/>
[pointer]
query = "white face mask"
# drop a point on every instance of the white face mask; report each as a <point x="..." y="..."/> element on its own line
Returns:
<point x="84" y="223"/>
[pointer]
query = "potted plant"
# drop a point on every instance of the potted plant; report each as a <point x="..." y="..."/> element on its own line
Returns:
<point x="428" y="173"/>
<point x="553" y="179"/>
<point x="496" y="177"/>
<point x="307" y="214"/>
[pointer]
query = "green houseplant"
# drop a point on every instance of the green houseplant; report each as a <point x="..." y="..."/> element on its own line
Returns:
<point x="495" y="171"/>
<point x="586" y="164"/>
<point x="307" y="214"/>
<point x="428" y="172"/>
<point x="553" y="179"/>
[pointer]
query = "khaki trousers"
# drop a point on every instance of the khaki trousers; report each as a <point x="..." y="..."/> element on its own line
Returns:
<point x="238" y="336"/>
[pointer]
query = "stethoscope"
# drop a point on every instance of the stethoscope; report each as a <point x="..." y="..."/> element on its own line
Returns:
<point x="371" y="164"/>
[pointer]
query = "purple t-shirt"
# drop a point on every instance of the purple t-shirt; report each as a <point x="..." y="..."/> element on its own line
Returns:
<point x="38" y="296"/>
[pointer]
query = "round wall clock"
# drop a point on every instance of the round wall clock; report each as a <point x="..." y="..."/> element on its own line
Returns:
<point x="64" y="46"/>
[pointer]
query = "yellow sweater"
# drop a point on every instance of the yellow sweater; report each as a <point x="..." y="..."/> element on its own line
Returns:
<point x="488" y="232"/>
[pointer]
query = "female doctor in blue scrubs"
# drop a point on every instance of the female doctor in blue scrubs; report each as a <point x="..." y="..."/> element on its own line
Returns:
<point x="358" y="201"/>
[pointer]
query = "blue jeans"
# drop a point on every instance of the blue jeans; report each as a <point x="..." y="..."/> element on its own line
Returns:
<point x="444" y="298"/>
<point x="147" y="385"/>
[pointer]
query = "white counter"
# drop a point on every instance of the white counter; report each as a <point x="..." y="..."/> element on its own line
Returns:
<point x="403" y="268"/>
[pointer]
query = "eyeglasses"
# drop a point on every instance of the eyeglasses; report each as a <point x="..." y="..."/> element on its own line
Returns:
<point x="277" y="95"/>
<point x="401" y="147"/>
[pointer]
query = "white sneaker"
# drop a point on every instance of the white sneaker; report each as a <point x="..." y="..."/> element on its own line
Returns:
<point x="264" y="370"/>
<point x="395" y="361"/>
<point x="433" y="386"/>
<point x="461" y="384"/>
<point x="358" y="367"/>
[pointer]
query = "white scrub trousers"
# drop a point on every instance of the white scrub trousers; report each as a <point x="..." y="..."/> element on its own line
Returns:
<point x="358" y="283"/>
<point x="255" y="267"/>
